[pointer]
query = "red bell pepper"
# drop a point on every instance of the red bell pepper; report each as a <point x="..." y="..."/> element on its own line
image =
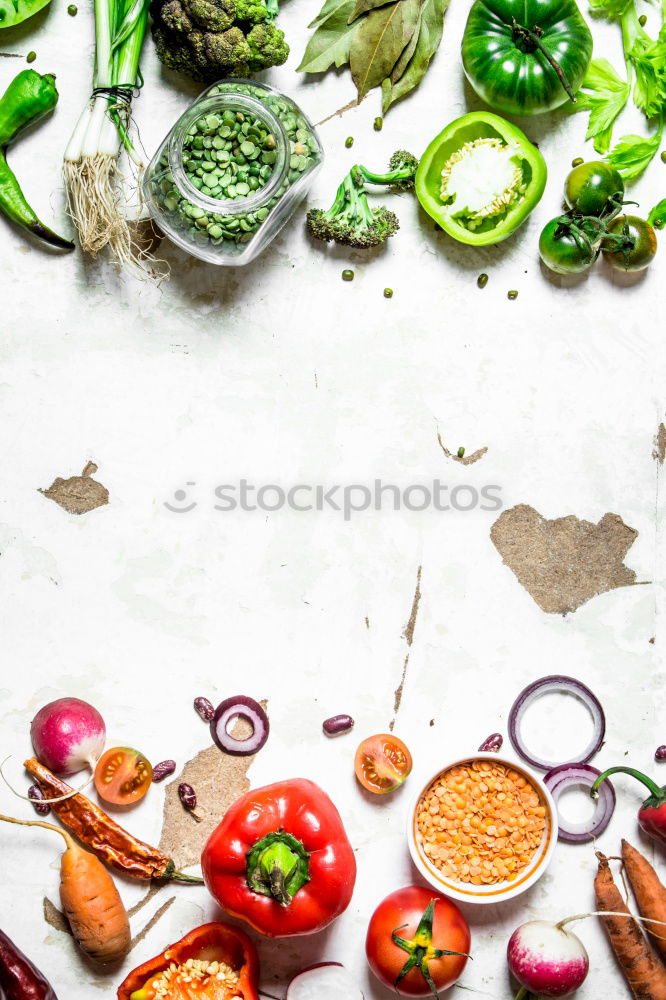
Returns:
<point x="652" y="814"/>
<point x="219" y="947"/>
<point x="280" y="859"/>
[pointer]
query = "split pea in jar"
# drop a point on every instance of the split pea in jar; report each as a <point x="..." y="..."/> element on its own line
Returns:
<point x="232" y="171"/>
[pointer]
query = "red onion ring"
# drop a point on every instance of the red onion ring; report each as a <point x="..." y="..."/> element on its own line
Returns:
<point x="567" y="685"/>
<point x="581" y="776"/>
<point x="251" y="711"/>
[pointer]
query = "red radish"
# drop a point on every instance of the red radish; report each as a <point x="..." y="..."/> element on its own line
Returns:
<point x="68" y="735"/>
<point x="328" y="981"/>
<point x="546" y="959"/>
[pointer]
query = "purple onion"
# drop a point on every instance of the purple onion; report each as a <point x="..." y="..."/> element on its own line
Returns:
<point x="660" y="753"/>
<point x="582" y="775"/>
<point x="493" y="743"/>
<point x="240" y="707"/>
<point x="567" y="685"/>
<point x="163" y="770"/>
<point x="36" y="796"/>
<point x="338" y="724"/>
<point x="187" y="796"/>
<point x="204" y="708"/>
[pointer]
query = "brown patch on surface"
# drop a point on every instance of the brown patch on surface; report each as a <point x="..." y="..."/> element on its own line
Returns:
<point x="218" y="780"/>
<point x="408" y="631"/>
<point x="347" y="107"/>
<point x="155" y="887"/>
<point x="564" y="562"/>
<point x="659" y="449"/>
<point x="78" y="494"/>
<point x="55" y="918"/>
<point x="367" y="622"/>
<point x="408" y="635"/>
<point x="462" y="459"/>
<point x="157" y="915"/>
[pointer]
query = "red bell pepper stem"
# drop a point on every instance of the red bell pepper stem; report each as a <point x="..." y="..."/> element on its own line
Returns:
<point x="655" y="791"/>
<point x="278" y="866"/>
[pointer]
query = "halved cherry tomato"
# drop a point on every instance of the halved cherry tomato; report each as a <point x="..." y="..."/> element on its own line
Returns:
<point x="382" y="763"/>
<point x="123" y="776"/>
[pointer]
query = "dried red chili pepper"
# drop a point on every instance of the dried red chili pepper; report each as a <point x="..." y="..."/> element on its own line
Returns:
<point x="212" y="943"/>
<point x="19" y="978"/>
<point x="110" y="842"/>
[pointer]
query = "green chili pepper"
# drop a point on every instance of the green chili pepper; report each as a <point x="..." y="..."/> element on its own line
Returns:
<point x="28" y="98"/>
<point x="480" y="178"/>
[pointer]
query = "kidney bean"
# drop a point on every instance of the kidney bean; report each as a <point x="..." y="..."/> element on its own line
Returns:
<point x="163" y="769"/>
<point x="187" y="796"/>
<point x="36" y="795"/>
<point x="338" y="724"/>
<point x="493" y="744"/>
<point x="660" y="753"/>
<point x="204" y="708"/>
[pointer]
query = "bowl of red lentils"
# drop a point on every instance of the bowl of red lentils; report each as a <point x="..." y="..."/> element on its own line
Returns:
<point x="483" y="829"/>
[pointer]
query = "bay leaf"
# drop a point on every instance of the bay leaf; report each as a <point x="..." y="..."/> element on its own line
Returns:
<point x="364" y="6"/>
<point x="331" y="42"/>
<point x="409" y="49"/>
<point x="430" y="35"/>
<point x="379" y="42"/>
<point x="330" y="7"/>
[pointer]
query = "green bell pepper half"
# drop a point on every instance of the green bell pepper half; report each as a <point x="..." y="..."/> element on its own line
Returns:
<point x="479" y="125"/>
<point x="524" y="57"/>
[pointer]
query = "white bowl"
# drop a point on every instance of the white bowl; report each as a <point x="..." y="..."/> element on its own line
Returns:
<point x="465" y="892"/>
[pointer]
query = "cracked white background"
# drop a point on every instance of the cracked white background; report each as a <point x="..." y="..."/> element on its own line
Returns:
<point x="282" y="373"/>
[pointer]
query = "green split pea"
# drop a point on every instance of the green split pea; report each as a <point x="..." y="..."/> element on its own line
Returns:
<point x="229" y="155"/>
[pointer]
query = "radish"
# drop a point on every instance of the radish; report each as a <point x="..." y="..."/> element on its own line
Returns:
<point x="328" y="981"/>
<point x="68" y="735"/>
<point x="546" y="959"/>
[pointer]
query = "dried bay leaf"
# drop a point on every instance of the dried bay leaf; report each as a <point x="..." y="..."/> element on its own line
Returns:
<point x="331" y="42"/>
<point x="408" y="51"/>
<point x="364" y="6"/>
<point x="431" y="28"/>
<point x="330" y="7"/>
<point x="379" y="42"/>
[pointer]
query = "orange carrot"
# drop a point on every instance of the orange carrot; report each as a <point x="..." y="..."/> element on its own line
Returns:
<point x="89" y="897"/>
<point x="644" y="973"/>
<point x="650" y="894"/>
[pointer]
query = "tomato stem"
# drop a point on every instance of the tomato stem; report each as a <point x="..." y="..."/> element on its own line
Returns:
<point x="531" y="37"/>
<point x="420" y="949"/>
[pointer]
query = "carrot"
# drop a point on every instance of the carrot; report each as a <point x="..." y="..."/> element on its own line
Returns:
<point x="650" y="894"/>
<point x="644" y="973"/>
<point x="89" y="897"/>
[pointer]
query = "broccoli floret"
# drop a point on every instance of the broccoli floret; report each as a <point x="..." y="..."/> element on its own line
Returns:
<point x="212" y="39"/>
<point x="350" y="220"/>
<point x="267" y="47"/>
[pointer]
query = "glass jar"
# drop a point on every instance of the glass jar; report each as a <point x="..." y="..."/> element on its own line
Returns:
<point x="222" y="224"/>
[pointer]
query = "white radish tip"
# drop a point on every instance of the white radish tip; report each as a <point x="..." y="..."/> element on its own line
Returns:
<point x="328" y="981"/>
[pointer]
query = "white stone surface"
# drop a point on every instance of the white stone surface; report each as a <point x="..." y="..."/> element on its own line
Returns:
<point x="282" y="373"/>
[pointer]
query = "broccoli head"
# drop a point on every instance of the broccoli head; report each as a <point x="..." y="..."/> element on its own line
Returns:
<point x="350" y="220"/>
<point x="212" y="39"/>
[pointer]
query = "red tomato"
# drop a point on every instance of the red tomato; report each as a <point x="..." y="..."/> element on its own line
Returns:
<point x="122" y="776"/>
<point x="417" y="922"/>
<point x="382" y="763"/>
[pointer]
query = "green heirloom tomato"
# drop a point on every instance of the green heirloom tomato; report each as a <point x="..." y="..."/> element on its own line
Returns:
<point x="565" y="248"/>
<point x="480" y="178"/>
<point x="594" y="188"/>
<point x="524" y="57"/>
<point x="636" y="244"/>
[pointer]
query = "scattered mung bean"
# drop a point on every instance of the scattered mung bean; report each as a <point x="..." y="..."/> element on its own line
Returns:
<point x="482" y="280"/>
<point x="347" y="274"/>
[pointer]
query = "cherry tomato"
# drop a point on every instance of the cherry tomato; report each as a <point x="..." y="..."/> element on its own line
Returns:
<point x="593" y="188"/>
<point x="564" y="249"/>
<point x="407" y="928"/>
<point x="639" y="244"/>
<point x="122" y="776"/>
<point x="382" y="763"/>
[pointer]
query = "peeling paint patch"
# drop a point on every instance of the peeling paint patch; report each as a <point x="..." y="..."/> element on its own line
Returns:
<point x="462" y="459"/>
<point x="78" y="494"/>
<point x="408" y="635"/>
<point x="564" y="562"/>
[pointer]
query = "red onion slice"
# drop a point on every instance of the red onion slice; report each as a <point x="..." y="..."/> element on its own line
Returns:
<point x="565" y="685"/>
<point x="251" y="711"/>
<point x="581" y="776"/>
